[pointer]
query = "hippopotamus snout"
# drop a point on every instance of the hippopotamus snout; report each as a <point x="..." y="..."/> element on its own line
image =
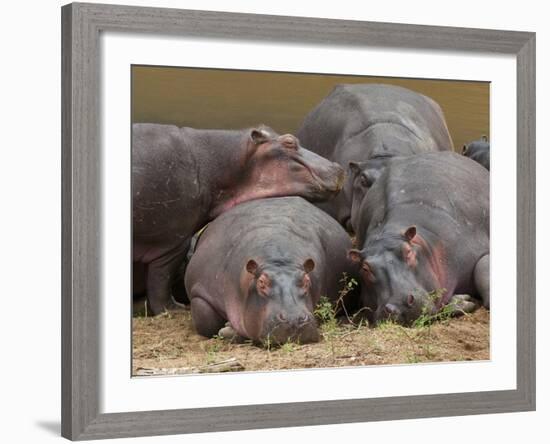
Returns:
<point x="328" y="176"/>
<point x="392" y="313"/>
<point x="333" y="179"/>
<point x="283" y="327"/>
<point x="389" y="312"/>
<point x="295" y="321"/>
<point x="339" y="174"/>
<point x="330" y="179"/>
<point x="403" y="312"/>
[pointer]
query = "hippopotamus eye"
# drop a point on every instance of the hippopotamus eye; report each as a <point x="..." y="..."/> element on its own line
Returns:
<point x="364" y="180"/>
<point x="263" y="285"/>
<point x="289" y="141"/>
<point x="410" y="258"/>
<point x="409" y="255"/>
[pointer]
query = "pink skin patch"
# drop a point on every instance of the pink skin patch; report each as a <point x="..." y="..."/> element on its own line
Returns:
<point x="367" y="272"/>
<point x="306" y="283"/>
<point x="237" y="313"/>
<point x="287" y="174"/>
<point x="263" y="284"/>
<point x="409" y="255"/>
<point x="272" y="180"/>
<point x="257" y="191"/>
<point x="436" y="257"/>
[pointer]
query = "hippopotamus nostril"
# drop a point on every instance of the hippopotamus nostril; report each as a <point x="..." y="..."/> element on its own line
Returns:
<point x="304" y="318"/>
<point x="281" y="317"/>
<point x="390" y="309"/>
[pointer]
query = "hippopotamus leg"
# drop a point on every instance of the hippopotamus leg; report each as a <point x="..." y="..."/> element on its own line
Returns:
<point x="229" y="333"/>
<point x="160" y="280"/>
<point x="481" y="280"/>
<point x="463" y="303"/>
<point x="206" y="320"/>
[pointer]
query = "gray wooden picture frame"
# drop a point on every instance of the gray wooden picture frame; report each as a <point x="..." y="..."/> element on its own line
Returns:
<point x="81" y="173"/>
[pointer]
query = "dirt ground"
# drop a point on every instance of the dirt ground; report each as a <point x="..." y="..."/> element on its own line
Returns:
<point x="167" y="344"/>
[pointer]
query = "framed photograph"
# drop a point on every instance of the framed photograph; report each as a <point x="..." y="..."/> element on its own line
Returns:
<point x="278" y="221"/>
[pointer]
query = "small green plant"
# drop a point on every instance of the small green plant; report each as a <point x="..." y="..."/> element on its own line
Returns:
<point x="348" y="285"/>
<point x="289" y="347"/>
<point x="326" y="313"/>
<point x="446" y="313"/>
<point x="428" y="317"/>
<point x="268" y="343"/>
<point x="212" y="347"/>
<point x="387" y="324"/>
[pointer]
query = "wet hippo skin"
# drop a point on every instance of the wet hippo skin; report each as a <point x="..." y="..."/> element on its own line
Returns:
<point x="183" y="177"/>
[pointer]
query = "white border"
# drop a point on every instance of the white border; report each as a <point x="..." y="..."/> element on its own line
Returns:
<point x="121" y="393"/>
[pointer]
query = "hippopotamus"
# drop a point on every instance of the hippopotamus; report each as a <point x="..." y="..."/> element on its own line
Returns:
<point x="355" y="123"/>
<point x="183" y="177"/>
<point x="263" y="266"/>
<point x="478" y="150"/>
<point x="422" y="229"/>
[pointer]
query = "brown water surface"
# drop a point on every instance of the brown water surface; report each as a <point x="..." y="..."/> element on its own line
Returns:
<point x="232" y="99"/>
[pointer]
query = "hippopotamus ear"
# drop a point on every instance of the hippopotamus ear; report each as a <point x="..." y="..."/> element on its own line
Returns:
<point x="259" y="136"/>
<point x="484" y="138"/>
<point x="369" y="177"/>
<point x="309" y="265"/>
<point x="252" y="266"/>
<point x="464" y="148"/>
<point x="410" y="233"/>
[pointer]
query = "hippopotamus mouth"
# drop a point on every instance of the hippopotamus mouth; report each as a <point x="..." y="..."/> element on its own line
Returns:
<point x="406" y="317"/>
<point x="332" y="182"/>
<point x="282" y="332"/>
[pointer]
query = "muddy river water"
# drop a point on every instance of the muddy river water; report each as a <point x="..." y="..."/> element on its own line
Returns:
<point x="232" y="99"/>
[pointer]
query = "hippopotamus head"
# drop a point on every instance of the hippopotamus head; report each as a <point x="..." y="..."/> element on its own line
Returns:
<point x="362" y="176"/>
<point x="279" y="303"/>
<point x="398" y="276"/>
<point x="472" y="148"/>
<point x="276" y="166"/>
<point x="280" y="163"/>
<point x="479" y="150"/>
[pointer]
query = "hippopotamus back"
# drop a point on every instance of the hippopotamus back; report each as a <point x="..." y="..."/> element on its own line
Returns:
<point x="357" y="122"/>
